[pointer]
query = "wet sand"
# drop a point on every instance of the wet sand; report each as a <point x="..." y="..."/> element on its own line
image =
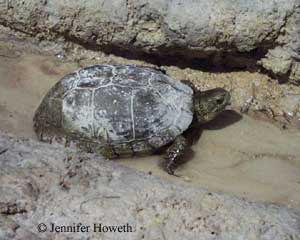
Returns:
<point x="236" y="154"/>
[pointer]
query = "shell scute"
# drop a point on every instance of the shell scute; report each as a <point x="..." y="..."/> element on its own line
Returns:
<point x="76" y="112"/>
<point x="95" y="76"/>
<point x="112" y="111"/>
<point x="131" y="76"/>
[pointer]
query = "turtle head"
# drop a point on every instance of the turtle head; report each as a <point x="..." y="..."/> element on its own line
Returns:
<point x="208" y="104"/>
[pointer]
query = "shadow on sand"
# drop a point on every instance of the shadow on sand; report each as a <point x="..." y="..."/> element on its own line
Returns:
<point x="224" y="119"/>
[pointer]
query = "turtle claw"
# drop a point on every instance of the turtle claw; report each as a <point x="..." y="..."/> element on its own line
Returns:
<point x="170" y="171"/>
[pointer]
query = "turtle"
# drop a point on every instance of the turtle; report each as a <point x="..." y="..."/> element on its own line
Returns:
<point x="126" y="110"/>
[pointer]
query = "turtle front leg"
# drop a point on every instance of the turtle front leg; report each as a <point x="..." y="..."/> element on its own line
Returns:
<point x="174" y="153"/>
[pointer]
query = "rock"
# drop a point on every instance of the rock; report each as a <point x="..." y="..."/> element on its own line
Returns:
<point x="291" y="104"/>
<point x="18" y="193"/>
<point x="278" y="60"/>
<point x="72" y="188"/>
<point x="231" y="33"/>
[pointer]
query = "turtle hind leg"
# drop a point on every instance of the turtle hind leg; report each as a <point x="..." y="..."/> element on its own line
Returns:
<point x="174" y="153"/>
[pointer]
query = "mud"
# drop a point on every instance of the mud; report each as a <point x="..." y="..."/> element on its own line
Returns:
<point x="237" y="154"/>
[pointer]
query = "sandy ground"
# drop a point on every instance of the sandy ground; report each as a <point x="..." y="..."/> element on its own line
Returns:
<point x="237" y="154"/>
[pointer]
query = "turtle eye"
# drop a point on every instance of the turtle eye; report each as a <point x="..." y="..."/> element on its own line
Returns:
<point x="219" y="101"/>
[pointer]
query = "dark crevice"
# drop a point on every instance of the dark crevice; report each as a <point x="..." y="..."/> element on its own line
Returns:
<point x="280" y="78"/>
<point x="171" y="56"/>
<point x="214" y="61"/>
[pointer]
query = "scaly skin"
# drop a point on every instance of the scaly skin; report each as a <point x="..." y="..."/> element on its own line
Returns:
<point x="174" y="152"/>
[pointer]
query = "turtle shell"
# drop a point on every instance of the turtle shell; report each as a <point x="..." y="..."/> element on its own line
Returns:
<point x="128" y="108"/>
